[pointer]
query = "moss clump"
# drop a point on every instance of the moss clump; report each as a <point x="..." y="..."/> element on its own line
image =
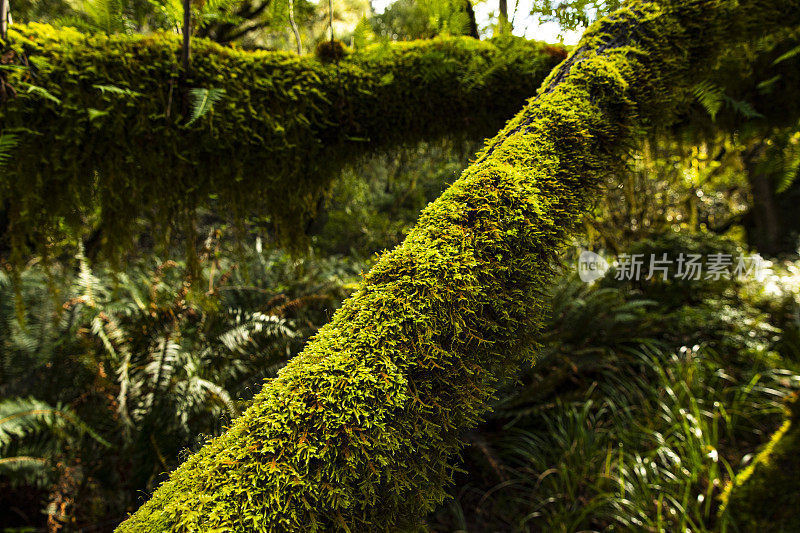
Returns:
<point x="356" y="433"/>
<point x="765" y="496"/>
<point x="330" y="51"/>
<point x="112" y="146"/>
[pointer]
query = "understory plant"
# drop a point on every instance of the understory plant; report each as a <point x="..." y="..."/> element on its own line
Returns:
<point x="108" y="378"/>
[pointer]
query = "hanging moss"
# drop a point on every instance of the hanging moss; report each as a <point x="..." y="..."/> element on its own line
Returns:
<point x="356" y="433"/>
<point x="765" y="496"/>
<point x="107" y="143"/>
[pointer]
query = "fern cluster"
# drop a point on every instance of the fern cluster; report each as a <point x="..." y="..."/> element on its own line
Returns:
<point x="107" y="377"/>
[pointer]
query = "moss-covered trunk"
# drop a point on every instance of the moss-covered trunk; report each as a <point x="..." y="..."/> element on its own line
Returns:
<point x="108" y="135"/>
<point x="357" y="432"/>
<point x="765" y="496"/>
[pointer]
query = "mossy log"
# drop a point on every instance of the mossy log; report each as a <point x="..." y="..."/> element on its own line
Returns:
<point x="104" y="138"/>
<point x="765" y="496"/>
<point x="357" y="432"/>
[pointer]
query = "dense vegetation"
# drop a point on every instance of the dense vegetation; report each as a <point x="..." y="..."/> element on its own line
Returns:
<point x="468" y="374"/>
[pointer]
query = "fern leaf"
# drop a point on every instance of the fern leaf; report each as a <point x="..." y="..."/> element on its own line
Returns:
<point x="743" y="108"/>
<point x="221" y="394"/>
<point x="203" y="101"/>
<point x="788" y="55"/>
<point x="116" y="90"/>
<point x="44" y="93"/>
<point x="8" y="142"/>
<point x="710" y="97"/>
<point x="96" y="113"/>
<point x="20" y="417"/>
<point x="172" y="10"/>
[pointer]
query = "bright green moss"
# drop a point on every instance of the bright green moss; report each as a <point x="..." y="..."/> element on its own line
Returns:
<point x="283" y="130"/>
<point x="356" y="433"/>
<point x="765" y="496"/>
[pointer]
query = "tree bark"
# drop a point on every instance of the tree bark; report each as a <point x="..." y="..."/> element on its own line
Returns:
<point x="765" y="229"/>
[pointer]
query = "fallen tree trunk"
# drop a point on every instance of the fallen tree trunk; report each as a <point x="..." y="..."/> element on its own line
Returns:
<point x="356" y="433"/>
<point x="102" y="137"/>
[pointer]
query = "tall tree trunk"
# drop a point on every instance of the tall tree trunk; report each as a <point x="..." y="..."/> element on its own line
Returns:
<point x="330" y="17"/>
<point x="4" y="9"/>
<point x="294" y="28"/>
<point x="187" y="36"/>
<point x="765" y="228"/>
<point x="183" y="84"/>
<point x="502" y="23"/>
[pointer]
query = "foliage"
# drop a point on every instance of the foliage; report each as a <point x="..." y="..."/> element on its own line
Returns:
<point x="622" y="425"/>
<point x="291" y="122"/>
<point x="355" y="432"/>
<point x="220" y="20"/>
<point x="26" y="424"/>
<point x="651" y="448"/>
<point x="573" y="14"/>
<point x="763" y="496"/>
<point x="104" y="16"/>
<point x="108" y="378"/>
<point x="372" y="206"/>
<point x="203" y="101"/>
<point x="7" y="143"/>
<point x="422" y="19"/>
<point x="671" y="185"/>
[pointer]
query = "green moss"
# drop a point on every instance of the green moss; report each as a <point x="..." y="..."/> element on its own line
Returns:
<point x="765" y="496"/>
<point x="283" y="130"/>
<point x="356" y="433"/>
<point x="330" y="51"/>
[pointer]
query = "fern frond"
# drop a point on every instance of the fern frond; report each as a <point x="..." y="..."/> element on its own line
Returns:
<point x="743" y="108"/>
<point x="172" y="10"/>
<point x="44" y="93"/>
<point x="22" y="417"/>
<point x="710" y="97"/>
<point x="116" y="90"/>
<point x="791" y="164"/>
<point x="253" y="328"/>
<point x="8" y="142"/>
<point x="221" y="394"/>
<point x="203" y="101"/>
<point x="106" y="16"/>
<point x="788" y="55"/>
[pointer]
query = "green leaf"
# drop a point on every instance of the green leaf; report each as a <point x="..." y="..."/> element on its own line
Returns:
<point x="96" y="113"/>
<point x="710" y="97"/>
<point x="44" y="93"/>
<point x="7" y="143"/>
<point x="788" y="55"/>
<point x="116" y="90"/>
<point x="743" y="108"/>
<point x="203" y="101"/>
